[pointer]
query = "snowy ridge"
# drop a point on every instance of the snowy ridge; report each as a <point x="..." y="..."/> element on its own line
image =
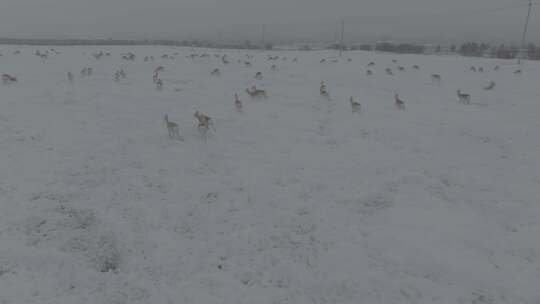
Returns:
<point x="295" y="200"/>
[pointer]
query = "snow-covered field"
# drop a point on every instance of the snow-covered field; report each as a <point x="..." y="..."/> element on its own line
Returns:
<point x="295" y="200"/>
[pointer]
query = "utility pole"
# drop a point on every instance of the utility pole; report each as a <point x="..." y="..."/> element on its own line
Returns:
<point x="522" y="51"/>
<point x="341" y="40"/>
<point x="263" y="36"/>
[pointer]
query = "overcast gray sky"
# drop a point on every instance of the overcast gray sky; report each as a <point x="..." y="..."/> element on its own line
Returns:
<point x="286" y="20"/>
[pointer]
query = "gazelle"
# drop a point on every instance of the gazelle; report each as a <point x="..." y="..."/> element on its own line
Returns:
<point x="119" y="74"/>
<point x="369" y="72"/>
<point x="371" y="64"/>
<point x="355" y="106"/>
<point x="237" y="103"/>
<point x="205" y="123"/>
<point x="323" y="91"/>
<point x="518" y="72"/>
<point x="416" y="67"/>
<point x="436" y="77"/>
<point x="401" y="69"/>
<point x="400" y="104"/>
<point x="256" y="93"/>
<point x="172" y="128"/>
<point x="258" y="76"/>
<point x="389" y="71"/>
<point x="216" y="72"/>
<point x="273" y="67"/>
<point x="463" y="98"/>
<point x="7" y="79"/>
<point x="490" y="87"/>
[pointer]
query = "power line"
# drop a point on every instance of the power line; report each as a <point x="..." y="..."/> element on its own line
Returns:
<point x="263" y="34"/>
<point x="522" y="50"/>
<point x="341" y="40"/>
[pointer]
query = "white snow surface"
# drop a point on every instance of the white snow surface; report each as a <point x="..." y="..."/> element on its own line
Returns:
<point x="295" y="200"/>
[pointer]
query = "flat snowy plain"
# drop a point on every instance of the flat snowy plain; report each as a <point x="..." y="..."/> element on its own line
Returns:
<point x="296" y="200"/>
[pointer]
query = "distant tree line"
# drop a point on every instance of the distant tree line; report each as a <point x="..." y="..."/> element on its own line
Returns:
<point x="246" y="45"/>
<point x="502" y="51"/>
<point x="470" y="49"/>
<point x="103" y="42"/>
<point x="402" y="48"/>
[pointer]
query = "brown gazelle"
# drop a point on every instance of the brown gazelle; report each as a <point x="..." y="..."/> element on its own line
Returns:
<point x="172" y="128"/>
<point x="490" y="87"/>
<point x="205" y="123"/>
<point x="237" y="103"/>
<point x="400" y="104"/>
<point x="463" y="98"/>
<point x="7" y="79"/>
<point x="323" y="91"/>
<point x="355" y="105"/>
<point x="256" y="93"/>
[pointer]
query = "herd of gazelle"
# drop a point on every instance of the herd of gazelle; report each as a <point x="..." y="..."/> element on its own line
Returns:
<point x="205" y="123"/>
